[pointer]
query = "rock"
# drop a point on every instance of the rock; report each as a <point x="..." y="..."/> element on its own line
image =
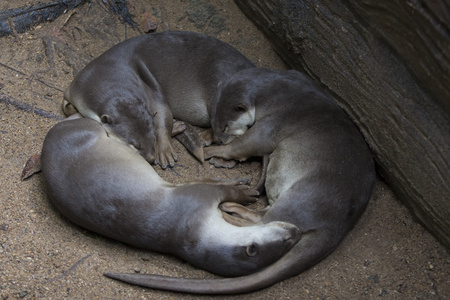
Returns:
<point x="23" y="293"/>
<point x="387" y="64"/>
<point x="148" y="22"/>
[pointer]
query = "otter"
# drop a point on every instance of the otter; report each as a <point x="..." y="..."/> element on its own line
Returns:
<point x="320" y="171"/>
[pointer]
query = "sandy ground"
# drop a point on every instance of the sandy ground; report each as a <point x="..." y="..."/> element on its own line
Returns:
<point x="43" y="255"/>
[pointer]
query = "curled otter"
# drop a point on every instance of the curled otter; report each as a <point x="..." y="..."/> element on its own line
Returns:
<point x="320" y="171"/>
<point x="137" y="87"/>
<point x="102" y="185"/>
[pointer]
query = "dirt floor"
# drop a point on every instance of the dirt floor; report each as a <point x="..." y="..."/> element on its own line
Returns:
<point x="43" y="255"/>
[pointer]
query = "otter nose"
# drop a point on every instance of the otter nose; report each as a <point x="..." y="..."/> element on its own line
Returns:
<point x="217" y="140"/>
<point x="294" y="235"/>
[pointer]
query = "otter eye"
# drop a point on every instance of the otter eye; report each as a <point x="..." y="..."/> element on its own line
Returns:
<point x="241" y="107"/>
<point x="251" y="250"/>
<point x="105" y="119"/>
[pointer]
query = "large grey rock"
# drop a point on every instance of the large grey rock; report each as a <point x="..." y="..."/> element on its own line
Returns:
<point x="387" y="64"/>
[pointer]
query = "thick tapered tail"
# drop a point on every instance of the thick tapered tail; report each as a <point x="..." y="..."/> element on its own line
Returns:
<point x="306" y="253"/>
<point x="276" y="272"/>
<point x="225" y="286"/>
<point x="190" y="139"/>
<point x="289" y="265"/>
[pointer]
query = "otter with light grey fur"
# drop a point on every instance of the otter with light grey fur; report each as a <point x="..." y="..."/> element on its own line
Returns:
<point x="101" y="184"/>
<point x="136" y="88"/>
<point x="320" y="172"/>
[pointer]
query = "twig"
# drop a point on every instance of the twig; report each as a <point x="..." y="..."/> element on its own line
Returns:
<point x="13" y="30"/>
<point x="47" y="41"/>
<point x="38" y="80"/>
<point x="45" y="97"/>
<point x="174" y="172"/>
<point x="28" y="108"/>
<point x="67" y="19"/>
<point x="73" y="267"/>
<point x="12" y="69"/>
<point x="22" y="19"/>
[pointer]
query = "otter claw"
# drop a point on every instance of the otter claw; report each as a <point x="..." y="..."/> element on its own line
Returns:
<point x="251" y="192"/>
<point x="222" y="163"/>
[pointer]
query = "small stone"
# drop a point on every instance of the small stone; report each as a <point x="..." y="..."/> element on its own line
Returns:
<point x="145" y="258"/>
<point x="23" y="293"/>
<point x="148" y="22"/>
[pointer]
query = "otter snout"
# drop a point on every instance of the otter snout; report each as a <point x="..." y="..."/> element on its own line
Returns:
<point x="291" y="234"/>
<point x="218" y="138"/>
<point x="294" y="235"/>
<point x="147" y="154"/>
<point x="223" y="138"/>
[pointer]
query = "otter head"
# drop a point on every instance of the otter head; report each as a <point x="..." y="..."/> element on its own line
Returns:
<point x="132" y="125"/>
<point x="228" y="250"/>
<point x="233" y="111"/>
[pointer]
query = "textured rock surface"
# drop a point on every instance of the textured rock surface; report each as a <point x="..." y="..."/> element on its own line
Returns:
<point x="387" y="64"/>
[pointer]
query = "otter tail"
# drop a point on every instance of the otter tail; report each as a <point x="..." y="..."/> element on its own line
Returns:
<point x="223" y="286"/>
<point x="305" y="254"/>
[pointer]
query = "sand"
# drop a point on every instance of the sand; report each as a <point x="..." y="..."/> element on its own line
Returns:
<point x="43" y="255"/>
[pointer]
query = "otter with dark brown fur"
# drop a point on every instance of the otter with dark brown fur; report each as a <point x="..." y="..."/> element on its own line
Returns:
<point x="136" y="88"/>
<point x="319" y="176"/>
<point x="101" y="184"/>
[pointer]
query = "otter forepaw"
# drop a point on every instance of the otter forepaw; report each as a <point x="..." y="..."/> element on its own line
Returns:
<point x="166" y="155"/>
<point x="178" y="127"/>
<point x="212" y="151"/>
<point x="222" y="163"/>
<point x="240" y="182"/>
<point x="237" y="210"/>
<point x="247" y="196"/>
<point x="216" y="154"/>
<point x="251" y="192"/>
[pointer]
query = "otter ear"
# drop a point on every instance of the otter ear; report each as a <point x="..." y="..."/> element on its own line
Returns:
<point x="251" y="250"/>
<point x="241" y="107"/>
<point x="105" y="119"/>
